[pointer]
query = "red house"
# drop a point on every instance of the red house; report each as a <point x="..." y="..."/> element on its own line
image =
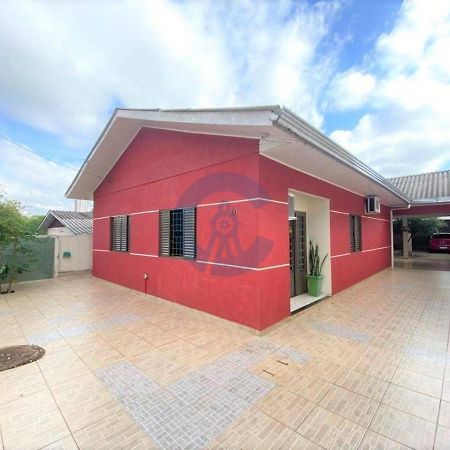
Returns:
<point x="214" y="209"/>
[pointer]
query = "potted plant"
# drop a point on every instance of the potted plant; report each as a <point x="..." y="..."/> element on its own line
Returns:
<point x="315" y="270"/>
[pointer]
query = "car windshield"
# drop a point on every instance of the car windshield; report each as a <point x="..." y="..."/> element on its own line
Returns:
<point x="441" y="236"/>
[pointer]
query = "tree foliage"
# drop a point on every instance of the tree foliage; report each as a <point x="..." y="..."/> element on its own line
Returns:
<point x="421" y="226"/>
<point x="15" y="231"/>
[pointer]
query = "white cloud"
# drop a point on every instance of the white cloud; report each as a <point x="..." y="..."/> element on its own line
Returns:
<point x="350" y="90"/>
<point x="34" y="181"/>
<point x="407" y="129"/>
<point x="64" y="64"/>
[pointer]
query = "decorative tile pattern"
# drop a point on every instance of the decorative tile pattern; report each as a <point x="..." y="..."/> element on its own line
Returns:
<point x="56" y="335"/>
<point x="190" y="412"/>
<point x="341" y="331"/>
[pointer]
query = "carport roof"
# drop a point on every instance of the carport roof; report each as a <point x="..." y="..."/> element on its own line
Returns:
<point x="425" y="187"/>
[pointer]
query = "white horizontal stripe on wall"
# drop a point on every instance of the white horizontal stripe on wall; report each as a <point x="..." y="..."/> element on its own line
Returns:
<point x="340" y="212"/>
<point x="374" y="249"/>
<point x="203" y="205"/>
<point x="242" y="200"/>
<point x="99" y="250"/>
<point x="362" y="251"/>
<point x="100" y="218"/>
<point x="144" y="212"/>
<point x="145" y="254"/>
<point x="342" y="254"/>
<point x="366" y="217"/>
<point x="243" y="267"/>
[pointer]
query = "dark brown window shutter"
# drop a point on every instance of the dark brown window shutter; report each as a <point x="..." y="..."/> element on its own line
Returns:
<point x="164" y="232"/>
<point x="189" y="232"/>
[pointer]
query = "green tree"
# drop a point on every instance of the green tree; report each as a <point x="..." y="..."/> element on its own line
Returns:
<point x="32" y="223"/>
<point x="421" y="226"/>
<point x="14" y="235"/>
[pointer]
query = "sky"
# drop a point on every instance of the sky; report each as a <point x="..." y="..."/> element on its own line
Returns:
<point x="373" y="75"/>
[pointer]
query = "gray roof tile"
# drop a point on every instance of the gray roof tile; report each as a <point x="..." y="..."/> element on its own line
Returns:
<point x="77" y="222"/>
<point x="424" y="186"/>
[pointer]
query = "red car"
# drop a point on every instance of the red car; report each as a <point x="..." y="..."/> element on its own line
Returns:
<point x="439" y="242"/>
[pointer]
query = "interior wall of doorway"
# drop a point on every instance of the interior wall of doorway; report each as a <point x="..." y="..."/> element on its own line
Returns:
<point x="317" y="211"/>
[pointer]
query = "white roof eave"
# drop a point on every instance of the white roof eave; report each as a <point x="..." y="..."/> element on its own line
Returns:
<point x="124" y="124"/>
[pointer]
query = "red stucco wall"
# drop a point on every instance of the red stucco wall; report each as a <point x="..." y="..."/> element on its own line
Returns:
<point x="347" y="268"/>
<point x="164" y="169"/>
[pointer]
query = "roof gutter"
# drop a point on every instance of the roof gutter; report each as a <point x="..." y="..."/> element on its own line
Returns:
<point x="286" y="120"/>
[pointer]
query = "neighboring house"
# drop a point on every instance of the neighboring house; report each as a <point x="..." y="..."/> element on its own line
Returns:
<point x="73" y="233"/>
<point x="214" y="209"/>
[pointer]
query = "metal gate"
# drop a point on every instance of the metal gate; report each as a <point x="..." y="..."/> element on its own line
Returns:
<point x="43" y="259"/>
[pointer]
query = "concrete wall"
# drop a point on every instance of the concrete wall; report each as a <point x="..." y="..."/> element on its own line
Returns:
<point x="80" y="248"/>
<point x="59" y="231"/>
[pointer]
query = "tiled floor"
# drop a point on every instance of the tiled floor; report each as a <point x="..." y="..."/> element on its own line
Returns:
<point x="366" y="369"/>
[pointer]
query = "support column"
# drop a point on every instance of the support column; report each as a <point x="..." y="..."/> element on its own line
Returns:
<point x="405" y="235"/>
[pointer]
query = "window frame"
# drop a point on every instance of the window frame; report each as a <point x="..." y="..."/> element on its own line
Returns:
<point x="185" y="244"/>
<point x="355" y="223"/>
<point x="120" y="248"/>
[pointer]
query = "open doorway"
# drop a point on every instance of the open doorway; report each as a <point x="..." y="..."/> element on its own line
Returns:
<point x="309" y="221"/>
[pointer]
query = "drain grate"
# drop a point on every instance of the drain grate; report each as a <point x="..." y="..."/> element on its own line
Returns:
<point x="18" y="355"/>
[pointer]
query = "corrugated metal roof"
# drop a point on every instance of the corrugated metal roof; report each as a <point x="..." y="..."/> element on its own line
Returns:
<point x="76" y="222"/>
<point x="425" y="186"/>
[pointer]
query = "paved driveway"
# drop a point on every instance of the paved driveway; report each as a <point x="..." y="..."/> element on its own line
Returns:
<point x="365" y="369"/>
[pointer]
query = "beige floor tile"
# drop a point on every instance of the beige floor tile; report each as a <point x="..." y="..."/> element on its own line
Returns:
<point x="442" y="438"/>
<point x="404" y="428"/>
<point x="446" y="391"/>
<point x="308" y="386"/>
<point x="429" y="368"/>
<point x="286" y="407"/>
<point x="83" y="401"/>
<point x="444" y="414"/>
<point x="412" y="402"/>
<point x="325" y="370"/>
<point x="66" y="443"/>
<point x="275" y="371"/>
<point x="298" y="442"/>
<point x="418" y="382"/>
<point x="347" y="404"/>
<point x="159" y="367"/>
<point x="61" y="366"/>
<point x="255" y="430"/>
<point x="160" y="337"/>
<point x="374" y="441"/>
<point x="115" y="432"/>
<point x="331" y="431"/>
<point x="20" y="382"/>
<point x="32" y="422"/>
<point x="362" y="384"/>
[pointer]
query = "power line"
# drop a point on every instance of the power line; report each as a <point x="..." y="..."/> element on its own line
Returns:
<point x="27" y="149"/>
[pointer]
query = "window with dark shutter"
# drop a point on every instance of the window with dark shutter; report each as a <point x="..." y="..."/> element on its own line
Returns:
<point x="355" y="233"/>
<point x="119" y="233"/>
<point x="177" y="231"/>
